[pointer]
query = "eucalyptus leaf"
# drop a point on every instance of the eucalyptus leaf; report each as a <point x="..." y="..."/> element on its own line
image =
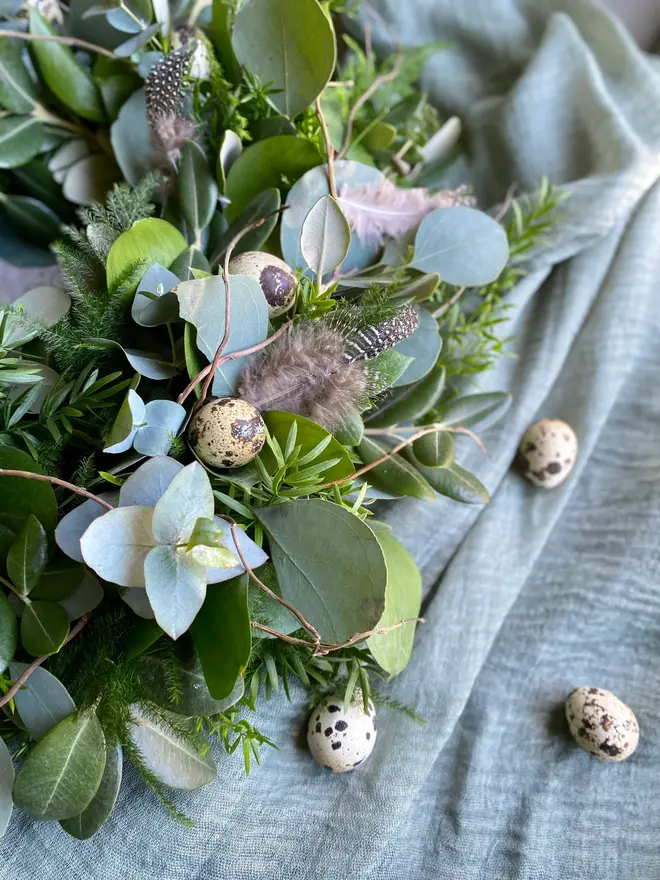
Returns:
<point x="134" y="44"/>
<point x="73" y="525"/>
<point x="42" y="702"/>
<point x="131" y="413"/>
<point x="27" y="556"/>
<point x="176" y="587"/>
<point x="188" y="497"/>
<point x="172" y="760"/>
<point x="90" y="179"/>
<point x="86" y="824"/>
<point x="385" y="369"/>
<point x="329" y="565"/>
<point x="32" y="217"/>
<point x="290" y="44"/>
<point x="453" y="481"/>
<point x="67" y="155"/>
<point x="6" y="785"/>
<point x="8" y="632"/>
<point x="138" y="601"/>
<point x="230" y="149"/>
<point x="18" y="91"/>
<point x="197" y="190"/>
<point x="194" y="698"/>
<point x="268" y="163"/>
<point x="423" y="346"/>
<point x="86" y="596"/>
<point x="45" y="305"/>
<point x="20" y="497"/>
<point x="146" y="363"/>
<point x="147" y="241"/>
<point x="44" y="628"/>
<point x="266" y="204"/>
<point x="63" y="74"/>
<point x="306" y="192"/>
<point x="20" y="140"/>
<point x="62" y="773"/>
<point x="163" y="420"/>
<point x="155" y="300"/>
<point x="252" y="553"/>
<point x="477" y="411"/>
<point x="224" y="620"/>
<point x="394" y="475"/>
<point x="116" y="545"/>
<point x="130" y="136"/>
<point x="435" y="450"/>
<point x="409" y="404"/>
<point x="61" y="577"/>
<point x="206" y="546"/>
<point x="325" y="237"/>
<point x="352" y="428"/>
<point x="148" y="483"/>
<point x="403" y="600"/>
<point x="186" y="264"/>
<point x="464" y="246"/>
<point x="122" y="21"/>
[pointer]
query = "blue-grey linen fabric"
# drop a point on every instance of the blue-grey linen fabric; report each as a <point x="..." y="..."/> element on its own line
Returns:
<point x="527" y="598"/>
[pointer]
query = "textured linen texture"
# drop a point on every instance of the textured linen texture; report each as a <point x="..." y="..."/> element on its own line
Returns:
<point x="537" y="593"/>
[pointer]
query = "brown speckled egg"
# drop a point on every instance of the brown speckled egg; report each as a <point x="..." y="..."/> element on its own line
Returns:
<point x="548" y="452"/>
<point x="341" y="740"/>
<point x="600" y="723"/>
<point x="227" y="432"/>
<point x="274" y="276"/>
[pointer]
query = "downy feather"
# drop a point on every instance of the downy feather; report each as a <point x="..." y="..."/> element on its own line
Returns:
<point x="380" y="209"/>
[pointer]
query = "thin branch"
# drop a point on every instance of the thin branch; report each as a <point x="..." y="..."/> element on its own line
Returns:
<point x="329" y="647"/>
<point x="54" y="38"/>
<point x="5" y="472"/>
<point x="27" y="672"/>
<point x="438" y="313"/>
<point x="329" y="149"/>
<point x="506" y="204"/>
<point x="308" y="626"/>
<point x="14" y="590"/>
<point x="364" y="97"/>
<point x="432" y="429"/>
<point x="232" y="356"/>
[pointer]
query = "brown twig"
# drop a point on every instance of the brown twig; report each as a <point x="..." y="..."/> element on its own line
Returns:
<point x="438" y="313"/>
<point x="506" y="204"/>
<point x="308" y="626"/>
<point x="5" y="472"/>
<point x="364" y="97"/>
<point x="232" y="356"/>
<point x="431" y="429"/>
<point x="327" y="648"/>
<point x="54" y="38"/>
<point x="329" y="149"/>
<point x="27" y="672"/>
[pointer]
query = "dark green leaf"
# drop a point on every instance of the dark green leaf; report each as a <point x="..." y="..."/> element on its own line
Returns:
<point x="403" y="600"/>
<point x="352" y="430"/>
<point x="385" y="369"/>
<point x="408" y="404"/>
<point x="21" y="496"/>
<point x="419" y="289"/>
<point x="309" y="435"/>
<point x="44" y="628"/>
<point x="28" y="554"/>
<point x="20" y="140"/>
<point x="86" y="824"/>
<point x="454" y="482"/>
<point x="141" y="636"/>
<point x="289" y="43"/>
<point x="63" y="74"/>
<point x="8" y="632"/>
<point x="329" y="565"/>
<point x="221" y="27"/>
<point x="18" y="91"/>
<point x="194" y="697"/>
<point x="32" y="217"/>
<point x="133" y="44"/>
<point x="62" y="773"/>
<point x="59" y="580"/>
<point x="395" y="475"/>
<point x="435" y="450"/>
<point x="275" y="162"/>
<point x="263" y="205"/>
<point x="191" y="258"/>
<point x="223" y="636"/>
<point x="196" y="187"/>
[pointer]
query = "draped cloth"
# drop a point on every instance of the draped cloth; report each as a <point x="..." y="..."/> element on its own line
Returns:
<point x="536" y="593"/>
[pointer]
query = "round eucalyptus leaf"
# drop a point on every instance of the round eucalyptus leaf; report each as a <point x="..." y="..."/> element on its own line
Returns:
<point x="44" y="628"/>
<point x="8" y="632"/>
<point x="174" y="761"/>
<point x="122" y="21"/>
<point x="403" y="599"/>
<point x="325" y="237"/>
<point x="20" y="140"/>
<point x="155" y="301"/>
<point x="274" y="162"/>
<point x="134" y="44"/>
<point x="61" y="775"/>
<point x="197" y="190"/>
<point x="18" y="91"/>
<point x="306" y="192"/>
<point x="86" y="596"/>
<point x="42" y="702"/>
<point x="435" y="450"/>
<point x="66" y="156"/>
<point x="46" y="305"/>
<point x="34" y="219"/>
<point x="290" y="44"/>
<point x="116" y="545"/>
<point x="423" y="346"/>
<point x="86" y="824"/>
<point x="90" y="179"/>
<point x="464" y="246"/>
<point x="63" y="74"/>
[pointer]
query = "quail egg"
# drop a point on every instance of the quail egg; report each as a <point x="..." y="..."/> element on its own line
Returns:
<point x="275" y="278"/>
<point x="227" y="432"/>
<point x="600" y="723"/>
<point x="548" y="451"/>
<point x="341" y="740"/>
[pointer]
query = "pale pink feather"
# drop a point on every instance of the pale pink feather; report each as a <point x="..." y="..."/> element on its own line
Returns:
<point x="380" y="210"/>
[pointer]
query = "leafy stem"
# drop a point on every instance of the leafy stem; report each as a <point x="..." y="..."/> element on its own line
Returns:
<point x="44" y="478"/>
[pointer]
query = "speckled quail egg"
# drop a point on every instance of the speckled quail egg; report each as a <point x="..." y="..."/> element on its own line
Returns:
<point x="275" y="278"/>
<point x="548" y="451"/>
<point x="341" y="740"/>
<point x="227" y="432"/>
<point x="603" y="725"/>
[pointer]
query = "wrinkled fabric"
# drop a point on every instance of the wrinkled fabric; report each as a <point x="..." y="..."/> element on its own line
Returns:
<point x="527" y="598"/>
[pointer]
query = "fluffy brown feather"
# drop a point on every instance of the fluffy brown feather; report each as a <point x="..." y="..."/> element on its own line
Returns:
<point x="305" y="372"/>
